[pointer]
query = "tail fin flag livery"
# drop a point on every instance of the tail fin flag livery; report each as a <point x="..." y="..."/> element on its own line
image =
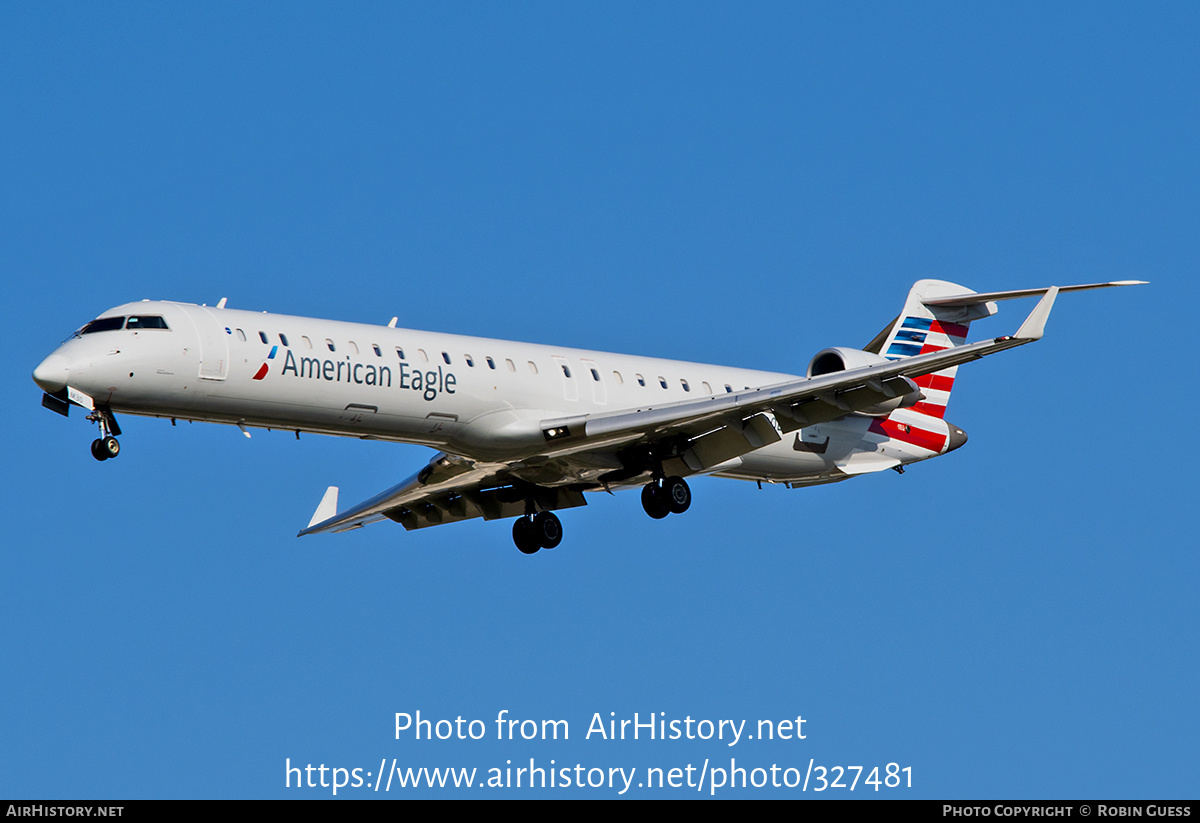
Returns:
<point x="922" y="329"/>
<point x="523" y="430"/>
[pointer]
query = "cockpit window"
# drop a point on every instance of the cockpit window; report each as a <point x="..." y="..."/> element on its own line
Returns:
<point x="103" y="324"/>
<point x="143" y="322"/>
<point x="135" y="323"/>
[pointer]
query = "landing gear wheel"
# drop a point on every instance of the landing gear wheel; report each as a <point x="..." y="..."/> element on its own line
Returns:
<point x="110" y="446"/>
<point x="98" y="451"/>
<point x="548" y="530"/>
<point x="654" y="501"/>
<point x="524" y="536"/>
<point x="677" y="494"/>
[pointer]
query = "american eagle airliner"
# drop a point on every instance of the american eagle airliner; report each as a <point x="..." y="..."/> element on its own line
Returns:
<point x="523" y="430"/>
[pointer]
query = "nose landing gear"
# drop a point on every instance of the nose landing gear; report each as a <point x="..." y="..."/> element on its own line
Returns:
<point x="106" y="445"/>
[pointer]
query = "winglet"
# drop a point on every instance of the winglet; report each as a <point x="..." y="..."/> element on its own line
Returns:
<point x="327" y="508"/>
<point x="1035" y="324"/>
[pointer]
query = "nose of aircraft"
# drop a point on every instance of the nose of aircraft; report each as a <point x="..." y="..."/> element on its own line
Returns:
<point x="52" y="373"/>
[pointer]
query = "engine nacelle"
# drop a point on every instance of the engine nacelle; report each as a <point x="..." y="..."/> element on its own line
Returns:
<point x="841" y="358"/>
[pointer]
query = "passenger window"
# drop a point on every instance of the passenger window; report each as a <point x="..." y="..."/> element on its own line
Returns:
<point x="596" y="375"/>
<point x="662" y="381"/>
<point x="400" y="352"/>
<point x="685" y="385"/>
<point x="470" y="360"/>
<point x="263" y="337"/>
<point x="283" y="338"/>
<point x="533" y="368"/>
<point x="707" y="388"/>
<point x="424" y="356"/>
<point x="446" y="357"/>
<point x="329" y="343"/>
<point x="307" y="342"/>
<point x="378" y="352"/>
<point x="491" y="363"/>
<point x="641" y="380"/>
<point x="241" y="335"/>
<point x="509" y="363"/>
<point x="728" y="388"/>
<point x="353" y="347"/>
<point x="566" y="371"/>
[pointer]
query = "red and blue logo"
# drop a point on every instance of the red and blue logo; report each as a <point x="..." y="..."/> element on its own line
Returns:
<point x="262" y="371"/>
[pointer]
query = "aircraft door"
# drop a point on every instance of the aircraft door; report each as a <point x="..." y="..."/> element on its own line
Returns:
<point x="570" y="382"/>
<point x="593" y="375"/>
<point x="213" y="342"/>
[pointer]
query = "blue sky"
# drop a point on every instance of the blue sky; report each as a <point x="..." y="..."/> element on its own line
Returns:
<point x="739" y="185"/>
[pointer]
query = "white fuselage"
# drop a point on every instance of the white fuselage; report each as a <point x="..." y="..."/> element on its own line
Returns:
<point x="470" y="396"/>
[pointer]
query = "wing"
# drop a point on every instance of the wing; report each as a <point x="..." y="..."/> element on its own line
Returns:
<point x="713" y="430"/>
<point x="447" y="490"/>
<point x="596" y="451"/>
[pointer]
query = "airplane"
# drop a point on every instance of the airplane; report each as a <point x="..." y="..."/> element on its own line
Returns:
<point x="525" y="430"/>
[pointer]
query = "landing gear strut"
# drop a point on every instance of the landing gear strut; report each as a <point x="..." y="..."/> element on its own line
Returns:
<point x="106" y="445"/>
<point x="671" y="496"/>
<point x="537" y="531"/>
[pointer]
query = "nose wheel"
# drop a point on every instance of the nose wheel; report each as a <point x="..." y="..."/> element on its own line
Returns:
<point x="105" y="447"/>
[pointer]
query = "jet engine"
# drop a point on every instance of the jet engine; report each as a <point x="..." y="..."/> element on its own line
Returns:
<point x="841" y="358"/>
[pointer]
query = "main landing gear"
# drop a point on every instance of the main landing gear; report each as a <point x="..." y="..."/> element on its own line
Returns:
<point x="537" y="531"/>
<point x="669" y="496"/>
<point x="543" y="530"/>
<point x="106" y="445"/>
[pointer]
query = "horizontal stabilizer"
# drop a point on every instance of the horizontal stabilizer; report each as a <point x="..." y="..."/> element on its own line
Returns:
<point x="327" y="509"/>
<point x="972" y="299"/>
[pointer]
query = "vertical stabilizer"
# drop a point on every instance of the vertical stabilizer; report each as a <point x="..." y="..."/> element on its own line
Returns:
<point x="921" y="329"/>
